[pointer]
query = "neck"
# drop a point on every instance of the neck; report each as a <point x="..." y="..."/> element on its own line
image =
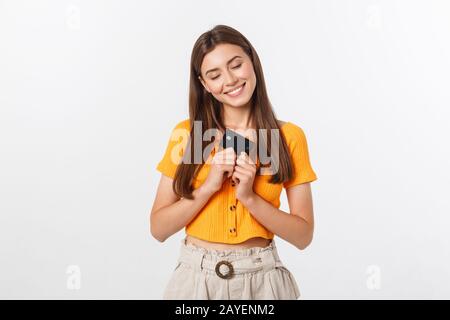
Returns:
<point x="237" y="117"/>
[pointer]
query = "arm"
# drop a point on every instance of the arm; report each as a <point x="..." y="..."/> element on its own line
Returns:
<point x="297" y="227"/>
<point x="170" y="213"/>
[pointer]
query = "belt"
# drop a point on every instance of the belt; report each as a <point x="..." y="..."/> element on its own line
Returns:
<point x="264" y="260"/>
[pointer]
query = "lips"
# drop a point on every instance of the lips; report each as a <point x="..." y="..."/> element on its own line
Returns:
<point x="236" y="91"/>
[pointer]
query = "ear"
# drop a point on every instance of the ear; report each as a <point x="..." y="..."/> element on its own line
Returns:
<point x="204" y="84"/>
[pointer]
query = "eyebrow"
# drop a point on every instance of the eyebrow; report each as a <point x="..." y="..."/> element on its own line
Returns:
<point x="229" y="61"/>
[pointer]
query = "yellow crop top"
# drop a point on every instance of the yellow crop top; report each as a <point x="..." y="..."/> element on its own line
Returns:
<point x="223" y="218"/>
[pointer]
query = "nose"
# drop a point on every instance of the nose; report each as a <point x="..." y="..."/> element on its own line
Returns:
<point x="230" y="80"/>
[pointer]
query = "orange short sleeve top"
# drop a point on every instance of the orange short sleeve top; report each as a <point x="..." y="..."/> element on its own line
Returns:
<point x="223" y="218"/>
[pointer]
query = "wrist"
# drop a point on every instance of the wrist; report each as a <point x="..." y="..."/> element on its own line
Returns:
<point x="206" y="191"/>
<point x="249" y="199"/>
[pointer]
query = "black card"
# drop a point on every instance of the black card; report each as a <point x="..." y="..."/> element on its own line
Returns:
<point x="237" y="141"/>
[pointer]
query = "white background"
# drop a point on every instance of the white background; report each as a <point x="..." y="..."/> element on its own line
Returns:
<point x="89" y="91"/>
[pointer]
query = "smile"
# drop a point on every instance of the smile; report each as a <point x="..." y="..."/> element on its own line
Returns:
<point x="236" y="91"/>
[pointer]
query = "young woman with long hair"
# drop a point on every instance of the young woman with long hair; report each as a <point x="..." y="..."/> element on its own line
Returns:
<point x="227" y="202"/>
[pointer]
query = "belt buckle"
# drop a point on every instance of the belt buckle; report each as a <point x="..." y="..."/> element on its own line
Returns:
<point x="230" y="267"/>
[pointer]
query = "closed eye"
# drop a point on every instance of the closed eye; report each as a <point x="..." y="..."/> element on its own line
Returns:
<point x="236" y="67"/>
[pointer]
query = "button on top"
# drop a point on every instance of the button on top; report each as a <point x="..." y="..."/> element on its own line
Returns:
<point x="232" y="207"/>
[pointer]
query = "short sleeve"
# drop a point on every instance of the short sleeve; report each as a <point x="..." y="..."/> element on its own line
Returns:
<point x="175" y="149"/>
<point x="298" y="148"/>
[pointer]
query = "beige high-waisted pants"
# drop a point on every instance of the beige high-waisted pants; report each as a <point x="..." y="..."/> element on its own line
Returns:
<point x="254" y="274"/>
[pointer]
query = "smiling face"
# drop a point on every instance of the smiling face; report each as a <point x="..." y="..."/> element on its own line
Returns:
<point x="227" y="73"/>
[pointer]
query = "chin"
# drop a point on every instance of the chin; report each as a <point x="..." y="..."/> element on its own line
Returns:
<point x="238" y="102"/>
<point x="236" y="105"/>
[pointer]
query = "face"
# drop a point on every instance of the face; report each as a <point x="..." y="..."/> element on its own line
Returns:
<point x="225" y="69"/>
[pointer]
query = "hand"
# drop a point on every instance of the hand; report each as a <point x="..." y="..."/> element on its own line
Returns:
<point x="222" y="165"/>
<point x="244" y="175"/>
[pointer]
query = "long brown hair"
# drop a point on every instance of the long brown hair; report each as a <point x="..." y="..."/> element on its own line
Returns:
<point x="205" y="108"/>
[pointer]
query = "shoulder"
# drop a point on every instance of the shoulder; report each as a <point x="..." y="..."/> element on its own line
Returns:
<point x="292" y="131"/>
<point x="180" y="130"/>
<point x="183" y="124"/>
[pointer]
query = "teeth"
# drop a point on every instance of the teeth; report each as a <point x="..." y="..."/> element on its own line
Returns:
<point x="236" y="90"/>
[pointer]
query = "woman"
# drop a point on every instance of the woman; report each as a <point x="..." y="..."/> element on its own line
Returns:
<point x="228" y="202"/>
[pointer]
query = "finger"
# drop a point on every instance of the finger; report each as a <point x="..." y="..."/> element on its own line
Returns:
<point x="230" y="150"/>
<point x="228" y="169"/>
<point x="226" y="155"/>
<point x="248" y="159"/>
<point x="229" y="162"/>
<point x="245" y="157"/>
<point x="238" y="176"/>
<point x="244" y="165"/>
<point x="243" y="171"/>
<point x="219" y="157"/>
<point x="234" y="177"/>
